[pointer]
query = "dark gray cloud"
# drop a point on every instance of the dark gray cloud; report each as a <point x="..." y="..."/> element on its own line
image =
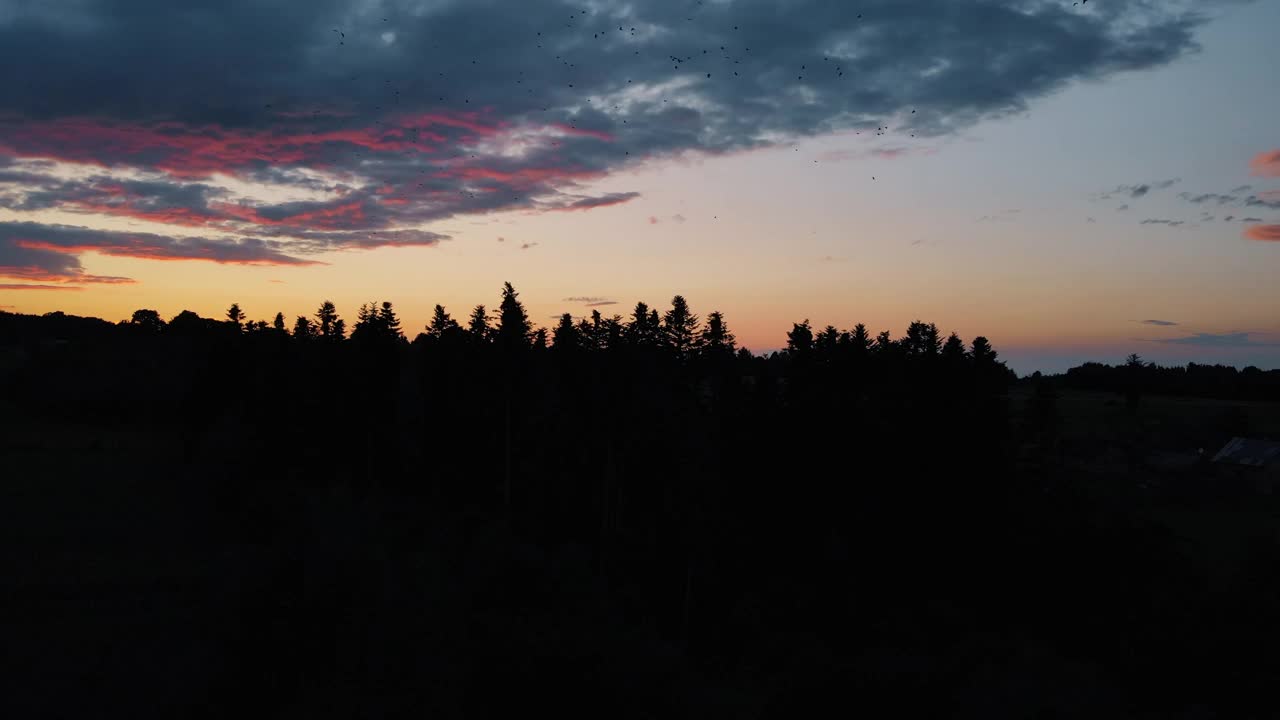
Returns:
<point x="1139" y="190"/>
<point x="1271" y="201"/>
<point x="1161" y="323"/>
<point x="407" y="113"/>
<point x="1122" y="208"/>
<point x="49" y="253"/>
<point x="1161" y="221"/>
<point x="1237" y="339"/>
<point x="1220" y="199"/>
<point x="589" y="300"/>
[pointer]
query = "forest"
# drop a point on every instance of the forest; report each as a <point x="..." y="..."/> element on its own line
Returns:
<point x="621" y="516"/>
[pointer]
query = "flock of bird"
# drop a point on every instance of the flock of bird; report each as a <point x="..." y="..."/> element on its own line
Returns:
<point x="705" y="59"/>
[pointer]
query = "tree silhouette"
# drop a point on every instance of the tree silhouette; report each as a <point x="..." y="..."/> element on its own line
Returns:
<point x="235" y="315"/>
<point x="800" y="339"/>
<point x="329" y="326"/>
<point x="391" y="323"/>
<point x="566" y="338"/>
<point x="278" y="323"/>
<point x="441" y="324"/>
<point x="587" y="334"/>
<point x="514" y="329"/>
<point x="478" y="325"/>
<point x="680" y="328"/>
<point x="188" y="323"/>
<point x="644" y="329"/>
<point x="859" y="340"/>
<point x="147" y="320"/>
<point x="303" y="328"/>
<point x="826" y="342"/>
<point x="885" y="345"/>
<point x="597" y="334"/>
<point x="716" y="341"/>
<point x="953" y="349"/>
<point x="922" y="340"/>
<point x="377" y="324"/>
<point x="982" y="353"/>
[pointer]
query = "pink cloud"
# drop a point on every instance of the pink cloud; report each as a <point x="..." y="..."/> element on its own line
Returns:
<point x="1263" y="233"/>
<point x="200" y="151"/>
<point x="335" y="217"/>
<point x="1266" y="164"/>
<point x="20" y="286"/>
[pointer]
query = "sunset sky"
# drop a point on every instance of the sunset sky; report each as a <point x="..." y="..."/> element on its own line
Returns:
<point x="1076" y="182"/>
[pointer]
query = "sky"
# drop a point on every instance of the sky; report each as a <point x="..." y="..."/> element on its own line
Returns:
<point x="1074" y="181"/>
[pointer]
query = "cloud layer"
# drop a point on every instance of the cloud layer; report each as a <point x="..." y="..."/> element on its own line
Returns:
<point x="267" y="131"/>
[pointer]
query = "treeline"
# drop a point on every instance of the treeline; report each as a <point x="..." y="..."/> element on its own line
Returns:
<point x="492" y="410"/>
<point x="497" y="511"/>
<point x="1137" y="377"/>
<point x="677" y="334"/>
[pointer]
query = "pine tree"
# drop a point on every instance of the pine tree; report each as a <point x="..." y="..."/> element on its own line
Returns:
<point x="278" y="323"/>
<point x="922" y="340"/>
<point x="235" y="315"/>
<point x="800" y="339"/>
<point x="389" y="322"/>
<point x="885" y="344"/>
<point x="565" y="337"/>
<point x="643" y="329"/>
<point x="981" y="352"/>
<point x="514" y="328"/>
<point x="478" y="325"/>
<point x="717" y="342"/>
<point x="598" y="337"/>
<point x="859" y="340"/>
<point x="303" y="328"/>
<point x="328" y="325"/>
<point x="680" y="328"/>
<point x="441" y="324"/>
<point x="826" y="342"/>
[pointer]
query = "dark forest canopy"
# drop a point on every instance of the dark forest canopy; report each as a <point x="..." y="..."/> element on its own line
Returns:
<point x="676" y="334"/>
<point x="1139" y="377"/>
<point x="630" y="516"/>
